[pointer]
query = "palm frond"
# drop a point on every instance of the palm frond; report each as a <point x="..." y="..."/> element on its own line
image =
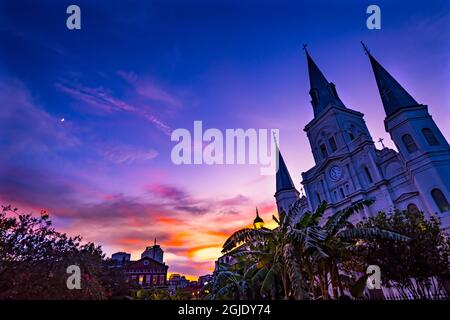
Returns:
<point x="318" y="213"/>
<point x="304" y="221"/>
<point x="335" y="222"/>
<point x="270" y="277"/>
<point x="244" y="236"/>
<point x="294" y="272"/>
<point x="294" y="213"/>
<point x="260" y="275"/>
<point x="310" y="240"/>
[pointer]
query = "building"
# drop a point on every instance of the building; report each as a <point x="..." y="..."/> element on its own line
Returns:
<point x="121" y="258"/>
<point x="149" y="271"/>
<point x="204" y="280"/>
<point x="348" y="166"/>
<point x="177" y="281"/>
<point x="155" y="252"/>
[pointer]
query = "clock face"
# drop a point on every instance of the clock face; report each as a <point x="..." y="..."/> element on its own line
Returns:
<point x="335" y="173"/>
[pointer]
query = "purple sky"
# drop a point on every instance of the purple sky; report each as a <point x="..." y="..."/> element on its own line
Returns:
<point x="135" y="72"/>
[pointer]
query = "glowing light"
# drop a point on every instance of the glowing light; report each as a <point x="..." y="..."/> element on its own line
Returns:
<point x="258" y="222"/>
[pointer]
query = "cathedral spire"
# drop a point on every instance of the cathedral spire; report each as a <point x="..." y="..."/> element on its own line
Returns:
<point x="283" y="178"/>
<point x="322" y="92"/>
<point x="393" y="95"/>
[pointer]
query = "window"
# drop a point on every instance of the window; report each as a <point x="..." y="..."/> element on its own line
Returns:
<point x="335" y="195"/>
<point x="162" y="279"/>
<point x="440" y="200"/>
<point x="409" y="143"/>
<point x="368" y="175"/>
<point x="332" y="143"/>
<point x="347" y="188"/>
<point x="430" y="137"/>
<point x="351" y="135"/>
<point x="323" y="150"/>
<point x="318" y="198"/>
<point x="342" y="192"/>
<point x="155" y="279"/>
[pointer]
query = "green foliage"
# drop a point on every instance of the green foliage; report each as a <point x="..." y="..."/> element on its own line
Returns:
<point x="34" y="258"/>
<point x="302" y="259"/>
<point x="425" y="255"/>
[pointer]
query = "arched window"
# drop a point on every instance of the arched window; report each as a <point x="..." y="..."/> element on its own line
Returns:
<point x="332" y="143"/>
<point x="342" y="192"/>
<point x="318" y="198"/>
<point x="440" y="200"/>
<point x="368" y="175"/>
<point x="323" y="150"/>
<point x="430" y="137"/>
<point x="351" y="135"/>
<point x="409" y="143"/>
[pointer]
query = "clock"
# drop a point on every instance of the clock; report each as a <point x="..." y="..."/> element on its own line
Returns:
<point x="335" y="173"/>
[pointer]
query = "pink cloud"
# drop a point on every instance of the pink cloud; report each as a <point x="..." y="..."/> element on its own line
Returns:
<point x="127" y="155"/>
<point x="167" y="191"/>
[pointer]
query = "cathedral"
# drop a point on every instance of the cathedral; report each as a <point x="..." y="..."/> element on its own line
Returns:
<point x="349" y="168"/>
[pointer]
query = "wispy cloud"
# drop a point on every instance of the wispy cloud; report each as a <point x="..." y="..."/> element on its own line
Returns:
<point x="148" y="88"/>
<point x="28" y="124"/>
<point x="104" y="100"/>
<point x="128" y="155"/>
<point x="167" y="191"/>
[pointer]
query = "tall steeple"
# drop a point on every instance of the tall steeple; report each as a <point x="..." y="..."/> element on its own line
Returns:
<point x="322" y="92"/>
<point x="285" y="194"/>
<point x="283" y="179"/>
<point x="393" y="95"/>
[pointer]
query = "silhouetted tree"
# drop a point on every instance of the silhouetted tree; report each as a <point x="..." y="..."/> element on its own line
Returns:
<point x="34" y="258"/>
<point x="410" y="266"/>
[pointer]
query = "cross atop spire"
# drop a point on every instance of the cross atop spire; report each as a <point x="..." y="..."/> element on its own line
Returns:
<point x="322" y="92"/>
<point x="304" y="48"/>
<point x="393" y="95"/>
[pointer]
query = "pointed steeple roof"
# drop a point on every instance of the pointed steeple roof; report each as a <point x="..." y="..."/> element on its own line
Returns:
<point x="258" y="219"/>
<point x="322" y="92"/>
<point x="393" y="95"/>
<point x="283" y="178"/>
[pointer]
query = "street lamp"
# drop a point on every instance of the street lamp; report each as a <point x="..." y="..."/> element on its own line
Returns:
<point x="258" y="223"/>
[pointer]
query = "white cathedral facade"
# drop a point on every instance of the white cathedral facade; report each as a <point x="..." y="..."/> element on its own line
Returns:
<point x="348" y="167"/>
